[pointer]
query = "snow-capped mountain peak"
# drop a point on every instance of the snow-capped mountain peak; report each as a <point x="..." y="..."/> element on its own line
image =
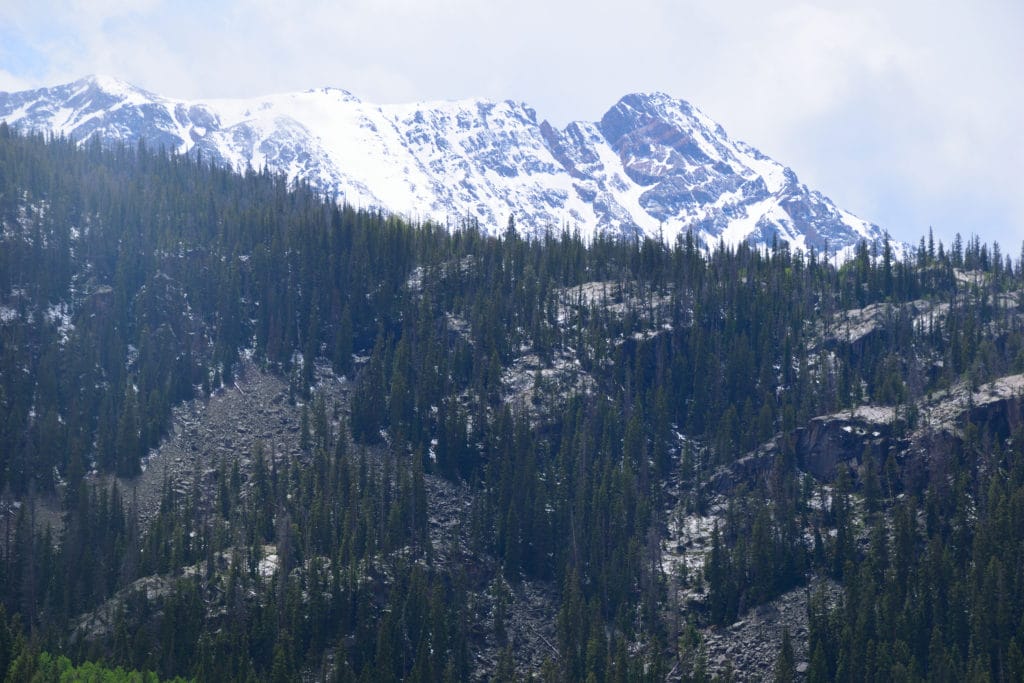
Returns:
<point x="115" y="87"/>
<point x="652" y="165"/>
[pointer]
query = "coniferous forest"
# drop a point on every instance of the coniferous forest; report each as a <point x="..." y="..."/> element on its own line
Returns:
<point x="542" y="458"/>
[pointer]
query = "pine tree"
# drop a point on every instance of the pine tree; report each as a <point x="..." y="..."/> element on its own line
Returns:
<point x="127" y="445"/>
<point x="785" y="664"/>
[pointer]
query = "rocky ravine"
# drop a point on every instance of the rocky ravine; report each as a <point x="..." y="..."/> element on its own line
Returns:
<point x="218" y="428"/>
<point x="257" y="409"/>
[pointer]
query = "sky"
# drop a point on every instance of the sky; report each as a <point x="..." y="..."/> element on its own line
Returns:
<point x="905" y="112"/>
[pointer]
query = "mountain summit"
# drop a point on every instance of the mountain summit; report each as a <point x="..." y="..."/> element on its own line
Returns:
<point x="653" y="165"/>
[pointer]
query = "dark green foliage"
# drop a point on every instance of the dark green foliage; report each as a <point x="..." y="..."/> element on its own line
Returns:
<point x="672" y="362"/>
<point x="934" y="600"/>
<point x="45" y="668"/>
<point x="785" y="666"/>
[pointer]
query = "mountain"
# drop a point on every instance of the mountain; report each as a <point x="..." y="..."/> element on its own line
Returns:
<point x="247" y="433"/>
<point x="653" y="165"/>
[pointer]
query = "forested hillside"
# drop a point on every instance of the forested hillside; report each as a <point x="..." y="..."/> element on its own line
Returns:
<point x="509" y="458"/>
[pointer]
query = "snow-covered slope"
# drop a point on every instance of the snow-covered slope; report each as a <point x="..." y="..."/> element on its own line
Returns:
<point x="652" y="165"/>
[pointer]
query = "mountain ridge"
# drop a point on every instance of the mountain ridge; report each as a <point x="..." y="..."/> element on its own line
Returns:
<point x="652" y="165"/>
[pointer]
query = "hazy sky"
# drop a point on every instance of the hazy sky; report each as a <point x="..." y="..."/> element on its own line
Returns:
<point x="906" y="113"/>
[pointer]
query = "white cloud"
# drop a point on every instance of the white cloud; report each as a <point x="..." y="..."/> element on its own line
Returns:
<point x="10" y="83"/>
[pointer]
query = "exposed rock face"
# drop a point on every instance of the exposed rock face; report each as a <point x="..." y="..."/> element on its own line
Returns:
<point x="830" y="441"/>
<point x="857" y="326"/>
<point x="746" y="468"/>
<point x="844" y="438"/>
<point x="821" y="447"/>
<point x="998" y="401"/>
<point x="101" y="622"/>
